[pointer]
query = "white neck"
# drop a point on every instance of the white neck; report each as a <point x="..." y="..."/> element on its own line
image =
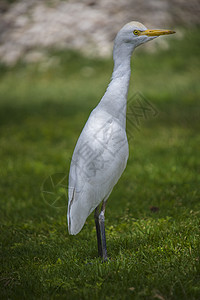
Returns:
<point x="115" y="97"/>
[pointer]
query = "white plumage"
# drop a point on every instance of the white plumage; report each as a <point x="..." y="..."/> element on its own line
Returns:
<point x="93" y="175"/>
<point x="101" y="152"/>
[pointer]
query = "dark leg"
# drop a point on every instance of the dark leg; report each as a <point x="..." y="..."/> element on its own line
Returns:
<point x="99" y="244"/>
<point x="102" y="230"/>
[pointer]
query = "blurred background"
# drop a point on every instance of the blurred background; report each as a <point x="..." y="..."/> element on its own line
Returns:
<point x="29" y="28"/>
<point x="55" y="64"/>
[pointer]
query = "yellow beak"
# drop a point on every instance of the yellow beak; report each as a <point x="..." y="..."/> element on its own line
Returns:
<point x="156" y="32"/>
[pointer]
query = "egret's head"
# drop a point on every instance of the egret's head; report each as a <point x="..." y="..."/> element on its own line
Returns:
<point x="135" y="34"/>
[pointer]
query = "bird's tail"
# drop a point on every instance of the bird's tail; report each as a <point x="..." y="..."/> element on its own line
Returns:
<point x="77" y="211"/>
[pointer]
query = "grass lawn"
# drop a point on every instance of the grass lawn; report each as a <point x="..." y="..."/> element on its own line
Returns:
<point x="152" y="216"/>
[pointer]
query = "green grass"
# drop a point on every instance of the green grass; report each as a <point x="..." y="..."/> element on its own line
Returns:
<point x="153" y="255"/>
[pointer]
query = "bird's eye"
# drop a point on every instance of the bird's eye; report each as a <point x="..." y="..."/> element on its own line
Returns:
<point x="136" y="32"/>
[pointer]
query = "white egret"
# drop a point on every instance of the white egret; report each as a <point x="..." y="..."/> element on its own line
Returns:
<point x="101" y="152"/>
